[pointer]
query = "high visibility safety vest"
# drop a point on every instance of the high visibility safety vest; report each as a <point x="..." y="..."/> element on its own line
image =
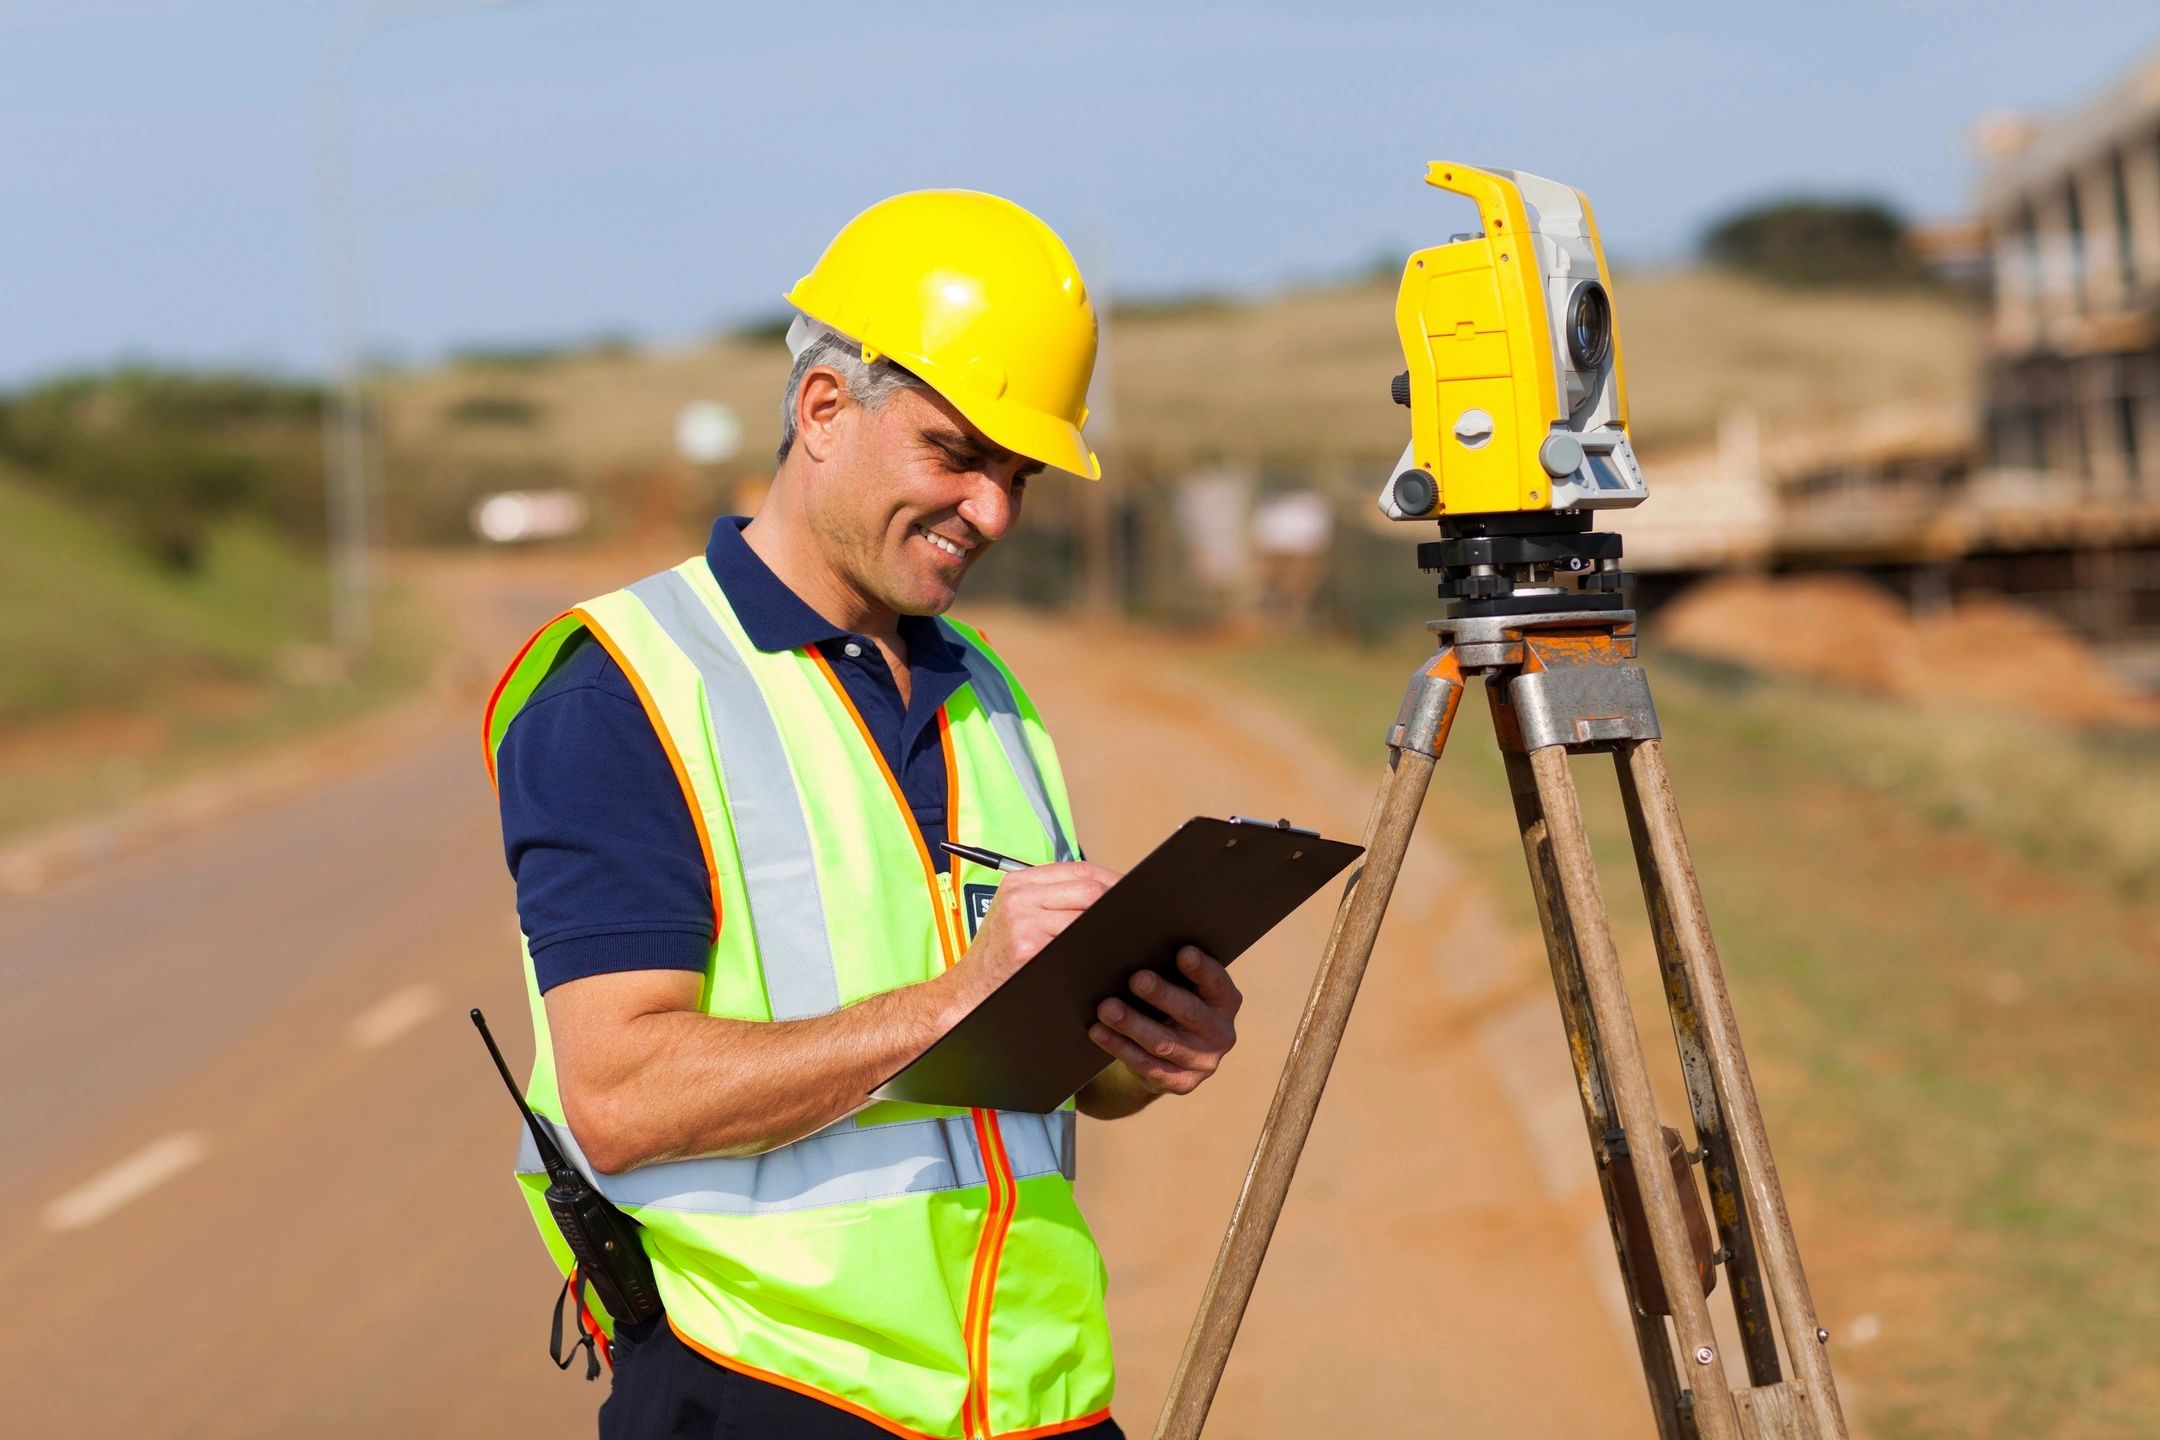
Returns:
<point x="926" y="1268"/>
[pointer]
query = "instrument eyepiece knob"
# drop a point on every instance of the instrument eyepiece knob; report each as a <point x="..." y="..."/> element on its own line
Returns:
<point x="1400" y="388"/>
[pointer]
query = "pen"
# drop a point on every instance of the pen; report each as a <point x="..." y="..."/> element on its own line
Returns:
<point x="1003" y="863"/>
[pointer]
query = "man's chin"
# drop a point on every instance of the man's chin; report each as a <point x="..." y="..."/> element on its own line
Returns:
<point x="930" y="606"/>
<point x="924" y="601"/>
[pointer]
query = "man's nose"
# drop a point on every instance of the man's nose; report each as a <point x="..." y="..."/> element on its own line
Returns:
<point x="989" y="506"/>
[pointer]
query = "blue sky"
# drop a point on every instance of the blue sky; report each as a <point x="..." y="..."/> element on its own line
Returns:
<point x="551" y="169"/>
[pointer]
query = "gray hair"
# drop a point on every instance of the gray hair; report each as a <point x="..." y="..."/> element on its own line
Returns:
<point x="869" y="386"/>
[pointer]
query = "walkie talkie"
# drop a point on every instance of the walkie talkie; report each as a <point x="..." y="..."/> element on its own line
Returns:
<point x="602" y="1239"/>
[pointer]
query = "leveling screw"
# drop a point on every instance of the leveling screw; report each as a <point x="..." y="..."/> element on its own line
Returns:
<point x="1704" y="1355"/>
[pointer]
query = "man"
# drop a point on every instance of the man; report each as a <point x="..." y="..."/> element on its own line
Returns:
<point x="724" y="789"/>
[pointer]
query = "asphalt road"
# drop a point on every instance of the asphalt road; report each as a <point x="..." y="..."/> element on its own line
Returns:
<point x="261" y="1161"/>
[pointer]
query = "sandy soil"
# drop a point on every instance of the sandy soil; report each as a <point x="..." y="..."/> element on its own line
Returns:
<point x="1985" y="653"/>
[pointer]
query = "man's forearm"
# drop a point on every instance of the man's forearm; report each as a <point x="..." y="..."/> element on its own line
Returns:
<point x="687" y="1084"/>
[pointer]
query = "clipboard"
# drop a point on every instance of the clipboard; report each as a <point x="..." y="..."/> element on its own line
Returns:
<point x="1217" y="884"/>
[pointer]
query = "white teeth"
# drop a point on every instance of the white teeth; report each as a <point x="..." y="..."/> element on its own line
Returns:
<point x="941" y="542"/>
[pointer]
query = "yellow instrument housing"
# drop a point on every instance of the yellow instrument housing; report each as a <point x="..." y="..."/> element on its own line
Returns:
<point x="1485" y="350"/>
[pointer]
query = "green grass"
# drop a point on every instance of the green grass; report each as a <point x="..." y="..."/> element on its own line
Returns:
<point x="178" y="669"/>
<point x="87" y="619"/>
<point x="1952" y="1042"/>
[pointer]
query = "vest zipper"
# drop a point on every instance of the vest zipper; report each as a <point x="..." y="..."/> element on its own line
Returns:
<point x="951" y="894"/>
<point x="997" y="1168"/>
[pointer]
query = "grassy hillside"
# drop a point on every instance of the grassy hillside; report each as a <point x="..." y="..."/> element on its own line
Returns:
<point x="117" y="670"/>
<point x="1299" y="378"/>
<point x="88" y="619"/>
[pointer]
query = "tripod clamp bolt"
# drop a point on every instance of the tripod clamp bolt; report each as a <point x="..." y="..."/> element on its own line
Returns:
<point x="1704" y="1355"/>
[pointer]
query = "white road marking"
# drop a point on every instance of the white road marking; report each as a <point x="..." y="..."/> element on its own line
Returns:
<point x="131" y="1179"/>
<point x="393" y="1015"/>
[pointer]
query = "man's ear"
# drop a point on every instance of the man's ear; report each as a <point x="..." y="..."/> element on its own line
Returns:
<point x="820" y="401"/>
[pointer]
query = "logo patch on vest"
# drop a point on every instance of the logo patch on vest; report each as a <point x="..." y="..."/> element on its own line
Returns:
<point x="975" y="902"/>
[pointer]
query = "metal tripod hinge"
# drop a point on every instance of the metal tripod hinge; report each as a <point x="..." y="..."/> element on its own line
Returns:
<point x="1564" y="682"/>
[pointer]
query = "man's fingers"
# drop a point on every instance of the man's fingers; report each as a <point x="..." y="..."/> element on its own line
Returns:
<point x="1151" y="1070"/>
<point x="1069" y="873"/>
<point x="1210" y="979"/>
<point x="1179" y="1003"/>
<point x="1067" y="892"/>
<point x="1073" y="895"/>
<point x="1156" y="1039"/>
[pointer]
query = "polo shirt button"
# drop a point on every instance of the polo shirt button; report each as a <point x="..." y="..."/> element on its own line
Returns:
<point x="854" y="651"/>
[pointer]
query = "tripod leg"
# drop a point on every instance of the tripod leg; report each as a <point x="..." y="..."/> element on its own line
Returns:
<point x="1728" y="1203"/>
<point x="1649" y="792"/>
<point x="1589" y="1061"/>
<point x="1715" y="1414"/>
<point x="1420" y="733"/>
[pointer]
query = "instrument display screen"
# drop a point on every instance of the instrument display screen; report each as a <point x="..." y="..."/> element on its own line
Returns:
<point x="1606" y="473"/>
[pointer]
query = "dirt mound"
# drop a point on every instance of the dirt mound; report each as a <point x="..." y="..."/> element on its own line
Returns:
<point x="1984" y="652"/>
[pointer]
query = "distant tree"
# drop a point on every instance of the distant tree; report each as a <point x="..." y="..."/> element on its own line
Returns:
<point x="493" y="409"/>
<point x="767" y="329"/>
<point x="1814" y="242"/>
<point x="167" y="454"/>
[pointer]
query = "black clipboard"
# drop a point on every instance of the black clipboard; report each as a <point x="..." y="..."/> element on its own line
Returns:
<point x="1218" y="884"/>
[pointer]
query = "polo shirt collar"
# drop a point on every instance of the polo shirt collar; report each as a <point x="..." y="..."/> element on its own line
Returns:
<point x="776" y="618"/>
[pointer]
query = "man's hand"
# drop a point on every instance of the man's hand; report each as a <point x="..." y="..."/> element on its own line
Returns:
<point x="1159" y="1058"/>
<point x="1033" y="907"/>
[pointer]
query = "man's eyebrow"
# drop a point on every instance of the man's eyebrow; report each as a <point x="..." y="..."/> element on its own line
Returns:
<point x="946" y="439"/>
<point x="953" y="442"/>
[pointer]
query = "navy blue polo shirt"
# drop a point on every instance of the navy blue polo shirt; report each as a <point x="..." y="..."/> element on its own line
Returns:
<point x="595" y="825"/>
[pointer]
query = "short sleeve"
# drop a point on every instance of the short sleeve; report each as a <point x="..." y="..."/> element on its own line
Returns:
<point x="597" y="832"/>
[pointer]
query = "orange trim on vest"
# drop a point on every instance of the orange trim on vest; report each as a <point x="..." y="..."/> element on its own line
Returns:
<point x="997" y="1224"/>
<point x="952" y="819"/>
<point x="744" y="1367"/>
<point x="922" y="850"/>
<point x="997" y="1169"/>
<point x="487" y="715"/>
<point x="890" y="1427"/>
<point x="1061" y="1427"/>
<point x="675" y="761"/>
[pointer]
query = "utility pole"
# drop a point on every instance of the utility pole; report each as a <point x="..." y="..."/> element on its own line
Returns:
<point x="348" y="507"/>
<point x="1101" y="508"/>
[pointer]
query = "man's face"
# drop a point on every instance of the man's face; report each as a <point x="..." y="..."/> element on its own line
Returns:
<point x="911" y="499"/>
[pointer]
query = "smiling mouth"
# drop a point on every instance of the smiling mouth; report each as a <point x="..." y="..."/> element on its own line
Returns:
<point x="949" y="547"/>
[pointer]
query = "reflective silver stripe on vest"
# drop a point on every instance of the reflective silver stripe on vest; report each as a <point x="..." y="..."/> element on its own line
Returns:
<point x="842" y="1164"/>
<point x="1003" y="710"/>
<point x="772" y="834"/>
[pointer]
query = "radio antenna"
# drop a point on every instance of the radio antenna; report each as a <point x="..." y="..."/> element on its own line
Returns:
<point x="558" y="1165"/>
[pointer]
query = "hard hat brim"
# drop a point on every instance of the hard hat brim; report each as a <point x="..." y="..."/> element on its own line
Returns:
<point x="1028" y="432"/>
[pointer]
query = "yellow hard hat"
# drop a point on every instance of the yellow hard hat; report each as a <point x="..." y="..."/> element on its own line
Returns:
<point x="980" y="299"/>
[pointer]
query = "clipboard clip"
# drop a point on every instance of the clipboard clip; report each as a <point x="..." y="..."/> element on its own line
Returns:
<point x="1274" y="825"/>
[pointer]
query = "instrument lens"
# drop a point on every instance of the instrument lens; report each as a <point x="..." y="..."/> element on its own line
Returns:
<point x="1589" y="326"/>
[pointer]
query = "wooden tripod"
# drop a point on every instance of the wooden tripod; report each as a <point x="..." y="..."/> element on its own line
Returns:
<point x="1565" y="682"/>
